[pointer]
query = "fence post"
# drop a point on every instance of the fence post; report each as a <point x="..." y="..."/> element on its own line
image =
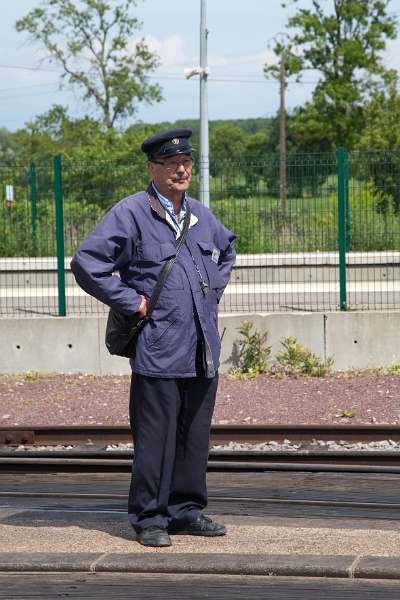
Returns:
<point x="347" y="199"/>
<point x="341" y="174"/>
<point x="33" y="186"/>
<point x="58" y="197"/>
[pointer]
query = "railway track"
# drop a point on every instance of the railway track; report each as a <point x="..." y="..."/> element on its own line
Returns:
<point x="80" y="502"/>
<point x="257" y="494"/>
<point x="92" y="435"/>
<point x="94" y="448"/>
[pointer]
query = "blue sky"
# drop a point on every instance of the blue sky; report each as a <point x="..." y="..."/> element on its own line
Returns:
<point x="239" y="34"/>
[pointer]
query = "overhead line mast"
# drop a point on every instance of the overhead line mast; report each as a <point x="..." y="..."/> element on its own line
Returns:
<point x="204" y="173"/>
<point x="203" y="71"/>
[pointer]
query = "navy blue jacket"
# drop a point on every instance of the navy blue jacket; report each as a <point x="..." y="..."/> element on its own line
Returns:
<point x="135" y="240"/>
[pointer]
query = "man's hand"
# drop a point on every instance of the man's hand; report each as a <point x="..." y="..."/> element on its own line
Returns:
<point x="142" y="310"/>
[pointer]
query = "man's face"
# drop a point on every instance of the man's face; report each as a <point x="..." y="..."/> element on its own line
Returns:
<point x="171" y="173"/>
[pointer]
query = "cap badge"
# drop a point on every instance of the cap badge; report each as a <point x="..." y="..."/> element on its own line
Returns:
<point x="175" y="141"/>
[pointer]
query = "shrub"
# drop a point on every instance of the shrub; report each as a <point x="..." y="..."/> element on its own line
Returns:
<point x="297" y="360"/>
<point x="253" y="353"/>
<point x="19" y="238"/>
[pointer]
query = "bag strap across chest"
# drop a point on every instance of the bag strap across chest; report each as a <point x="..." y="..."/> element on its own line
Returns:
<point x="169" y="264"/>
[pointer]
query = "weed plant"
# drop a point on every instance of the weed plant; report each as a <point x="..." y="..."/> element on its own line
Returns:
<point x="298" y="360"/>
<point x="294" y="360"/>
<point x="253" y="353"/>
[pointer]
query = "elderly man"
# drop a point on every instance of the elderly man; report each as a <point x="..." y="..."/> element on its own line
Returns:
<point x="175" y="367"/>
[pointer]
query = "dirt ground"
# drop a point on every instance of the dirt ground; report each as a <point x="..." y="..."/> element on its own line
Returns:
<point x="368" y="397"/>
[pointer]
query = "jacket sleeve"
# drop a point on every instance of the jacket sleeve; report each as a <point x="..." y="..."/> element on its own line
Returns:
<point x="225" y="241"/>
<point x="105" y="250"/>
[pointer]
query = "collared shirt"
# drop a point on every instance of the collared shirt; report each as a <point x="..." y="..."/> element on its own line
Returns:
<point x="177" y="224"/>
<point x="170" y="215"/>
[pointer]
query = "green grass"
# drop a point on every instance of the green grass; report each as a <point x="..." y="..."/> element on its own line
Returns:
<point x="261" y="226"/>
<point x="310" y="224"/>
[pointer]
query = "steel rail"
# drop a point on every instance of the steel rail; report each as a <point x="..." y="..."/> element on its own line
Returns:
<point x="221" y="455"/>
<point x="367" y="462"/>
<point x="92" y="435"/>
<point x="249" y="499"/>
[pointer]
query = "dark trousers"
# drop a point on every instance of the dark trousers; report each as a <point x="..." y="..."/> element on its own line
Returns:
<point x="170" y="421"/>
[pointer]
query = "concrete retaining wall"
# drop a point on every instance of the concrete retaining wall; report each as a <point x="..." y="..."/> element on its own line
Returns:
<point x="76" y="344"/>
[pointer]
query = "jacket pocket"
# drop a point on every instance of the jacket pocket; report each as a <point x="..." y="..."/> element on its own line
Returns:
<point x="155" y="253"/>
<point x="151" y="259"/>
<point x="210" y="256"/>
<point x="161" y="325"/>
<point x="157" y="335"/>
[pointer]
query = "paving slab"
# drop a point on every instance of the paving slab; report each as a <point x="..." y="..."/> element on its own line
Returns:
<point x="369" y="567"/>
<point x="34" y="540"/>
<point x="51" y="561"/>
<point x="377" y="567"/>
<point x="228" y="564"/>
<point x="55" y="531"/>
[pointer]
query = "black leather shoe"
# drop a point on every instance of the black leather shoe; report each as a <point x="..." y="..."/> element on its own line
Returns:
<point x="201" y="526"/>
<point x="153" y="536"/>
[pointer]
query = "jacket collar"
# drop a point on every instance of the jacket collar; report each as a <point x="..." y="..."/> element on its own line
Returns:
<point x="154" y="202"/>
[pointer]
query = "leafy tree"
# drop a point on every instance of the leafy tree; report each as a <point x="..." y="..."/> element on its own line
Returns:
<point x="382" y="133"/>
<point x="262" y="158"/>
<point x="382" y="118"/>
<point x="7" y="145"/>
<point x="92" y="42"/>
<point x="54" y="132"/>
<point x="227" y="141"/>
<point x="99" y="166"/>
<point x="344" y="46"/>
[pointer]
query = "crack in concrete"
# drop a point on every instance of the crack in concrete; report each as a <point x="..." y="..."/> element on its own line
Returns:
<point x="93" y="565"/>
<point x="353" y="566"/>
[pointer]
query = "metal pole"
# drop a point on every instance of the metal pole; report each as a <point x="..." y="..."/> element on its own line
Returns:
<point x="33" y="184"/>
<point x="58" y="196"/>
<point x="282" y="136"/>
<point x="347" y="196"/>
<point x="204" y="175"/>
<point x="341" y="163"/>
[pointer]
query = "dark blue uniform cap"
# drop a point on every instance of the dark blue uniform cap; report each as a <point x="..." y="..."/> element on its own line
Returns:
<point x="168" y="143"/>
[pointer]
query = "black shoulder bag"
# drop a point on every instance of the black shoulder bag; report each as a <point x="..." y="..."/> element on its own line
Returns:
<point x="122" y="331"/>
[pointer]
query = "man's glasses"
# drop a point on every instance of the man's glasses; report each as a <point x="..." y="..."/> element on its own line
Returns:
<point x="174" y="164"/>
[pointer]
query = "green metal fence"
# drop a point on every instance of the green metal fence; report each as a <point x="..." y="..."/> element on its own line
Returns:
<point x="334" y="244"/>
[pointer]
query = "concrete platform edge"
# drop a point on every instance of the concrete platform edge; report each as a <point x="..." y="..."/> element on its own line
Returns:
<point x="280" y="565"/>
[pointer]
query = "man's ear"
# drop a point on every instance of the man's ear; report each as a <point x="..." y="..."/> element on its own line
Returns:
<point x="150" y="168"/>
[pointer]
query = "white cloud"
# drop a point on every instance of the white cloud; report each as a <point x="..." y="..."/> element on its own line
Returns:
<point x="170" y="50"/>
